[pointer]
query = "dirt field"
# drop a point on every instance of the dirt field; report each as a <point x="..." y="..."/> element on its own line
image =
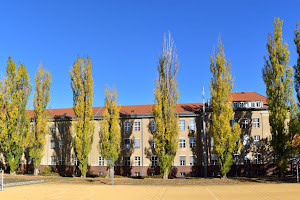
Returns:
<point x="95" y="191"/>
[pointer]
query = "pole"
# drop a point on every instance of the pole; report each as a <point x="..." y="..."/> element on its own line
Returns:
<point x="113" y="172"/>
<point x="2" y="182"/>
<point x="142" y="141"/>
<point x="204" y="136"/>
<point x="297" y="171"/>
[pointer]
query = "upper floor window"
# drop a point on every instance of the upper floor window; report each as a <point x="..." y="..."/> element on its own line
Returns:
<point x="192" y="142"/>
<point x="52" y="144"/>
<point x="181" y="125"/>
<point x="61" y="160"/>
<point x="192" y="160"/>
<point x="61" y="128"/>
<point x="247" y="158"/>
<point x="236" y="159"/>
<point x="192" y="125"/>
<point x="257" y="158"/>
<point x="255" y="122"/>
<point x="181" y="160"/>
<point x="154" y="160"/>
<point x="61" y="144"/>
<point x="75" y="161"/>
<point x="181" y="143"/>
<point x="246" y="140"/>
<point x="137" y="160"/>
<point x="256" y="140"/>
<point x="137" y="126"/>
<point x="212" y="142"/>
<point x="127" y="126"/>
<point x="137" y="143"/>
<point x="126" y="160"/>
<point x="52" y="161"/>
<point x="127" y="143"/>
<point x="152" y="125"/>
<point x="152" y="144"/>
<point x="245" y="123"/>
<point x="214" y="159"/>
<point x="53" y="129"/>
<point x="101" y="161"/>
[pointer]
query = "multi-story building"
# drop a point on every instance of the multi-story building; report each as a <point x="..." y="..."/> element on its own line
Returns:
<point x="138" y="155"/>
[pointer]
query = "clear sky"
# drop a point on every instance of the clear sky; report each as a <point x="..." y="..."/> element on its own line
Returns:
<point x="123" y="40"/>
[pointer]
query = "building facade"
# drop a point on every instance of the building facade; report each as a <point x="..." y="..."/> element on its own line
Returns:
<point x="138" y="157"/>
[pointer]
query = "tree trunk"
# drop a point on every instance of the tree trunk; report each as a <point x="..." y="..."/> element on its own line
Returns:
<point x="281" y="171"/>
<point x="109" y="173"/>
<point x="36" y="171"/>
<point x="83" y="176"/>
<point x="224" y="176"/>
<point x="166" y="175"/>
<point x="12" y="173"/>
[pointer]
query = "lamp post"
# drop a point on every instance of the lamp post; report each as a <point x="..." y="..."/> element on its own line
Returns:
<point x="204" y="136"/>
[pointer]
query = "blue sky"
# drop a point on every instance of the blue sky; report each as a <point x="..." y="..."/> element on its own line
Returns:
<point x="123" y="40"/>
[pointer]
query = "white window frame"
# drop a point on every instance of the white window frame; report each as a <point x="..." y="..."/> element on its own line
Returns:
<point x="137" y="126"/>
<point x="192" y="125"/>
<point x="61" y="160"/>
<point x="245" y="123"/>
<point x="100" y="161"/>
<point x="52" y="160"/>
<point x="246" y="140"/>
<point x="75" y="161"/>
<point x="192" y="160"/>
<point x="192" y="142"/>
<point x="256" y="140"/>
<point x="181" y="125"/>
<point x="255" y="122"/>
<point x="246" y="158"/>
<point x="236" y="159"/>
<point x="52" y="146"/>
<point x="181" y="143"/>
<point x="137" y="143"/>
<point x="257" y="158"/>
<point x="214" y="159"/>
<point x="182" y="162"/>
<point x="127" y="160"/>
<point x="154" y="160"/>
<point x="127" y="126"/>
<point x="127" y="145"/>
<point x="152" y="143"/>
<point x="212" y="141"/>
<point x="53" y="129"/>
<point x="137" y="161"/>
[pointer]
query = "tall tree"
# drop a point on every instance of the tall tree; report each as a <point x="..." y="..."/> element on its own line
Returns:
<point x="277" y="76"/>
<point x="110" y="134"/>
<point x="39" y="128"/>
<point x="82" y="87"/>
<point x="297" y="66"/>
<point x="16" y="91"/>
<point x="166" y="98"/>
<point x="225" y="136"/>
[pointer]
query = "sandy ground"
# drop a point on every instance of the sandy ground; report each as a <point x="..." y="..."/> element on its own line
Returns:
<point x="87" y="191"/>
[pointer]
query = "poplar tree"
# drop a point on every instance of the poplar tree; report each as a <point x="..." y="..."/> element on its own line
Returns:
<point x="225" y="136"/>
<point x="297" y="66"/>
<point x="166" y="98"/>
<point x="82" y="87"/>
<point x="277" y="76"/>
<point x="39" y="127"/>
<point x="110" y="134"/>
<point x="16" y="121"/>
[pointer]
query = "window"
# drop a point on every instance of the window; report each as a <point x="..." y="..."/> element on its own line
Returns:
<point x="101" y="161"/>
<point x="75" y="161"/>
<point x="152" y="125"/>
<point x="247" y="158"/>
<point x="214" y="159"/>
<point x="53" y="129"/>
<point x="182" y="160"/>
<point x="154" y="160"/>
<point x="192" y="142"/>
<point x="137" y="143"/>
<point x="235" y="104"/>
<point x="256" y="140"/>
<point x="231" y="123"/>
<point x="181" y="125"/>
<point x="52" y="144"/>
<point x="61" y="160"/>
<point x="137" y="126"/>
<point x="127" y="161"/>
<point x="246" y="140"/>
<point x="152" y="144"/>
<point x="127" y="143"/>
<point x="61" y="144"/>
<point x="212" y="142"/>
<point x="137" y="174"/>
<point x="127" y="126"/>
<point x="245" y="123"/>
<point x="181" y="143"/>
<point x="192" y="125"/>
<point x="52" y="162"/>
<point x="182" y="174"/>
<point x="192" y="160"/>
<point x="257" y="158"/>
<point x="236" y="158"/>
<point x="61" y="128"/>
<point x="137" y="160"/>
<point x="29" y="161"/>
<point x="255" y="122"/>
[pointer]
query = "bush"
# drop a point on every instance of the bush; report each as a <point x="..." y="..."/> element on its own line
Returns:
<point x="47" y="170"/>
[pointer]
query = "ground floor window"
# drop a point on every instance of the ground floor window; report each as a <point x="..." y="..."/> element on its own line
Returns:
<point x="154" y="160"/>
<point x="182" y="160"/>
<point x="137" y="160"/>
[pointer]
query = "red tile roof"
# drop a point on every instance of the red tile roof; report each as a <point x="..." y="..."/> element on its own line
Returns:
<point x="147" y="109"/>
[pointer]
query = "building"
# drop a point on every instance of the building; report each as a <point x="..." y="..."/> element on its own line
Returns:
<point x="138" y="149"/>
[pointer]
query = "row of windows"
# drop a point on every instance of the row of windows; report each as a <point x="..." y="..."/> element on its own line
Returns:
<point x="246" y="140"/>
<point x="236" y="158"/>
<point x="61" y="144"/>
<point x="248" y="104"/>
<point x="61" y="128"/>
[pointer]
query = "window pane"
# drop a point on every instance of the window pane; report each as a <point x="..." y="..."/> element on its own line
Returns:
<point x="136" y="143"/>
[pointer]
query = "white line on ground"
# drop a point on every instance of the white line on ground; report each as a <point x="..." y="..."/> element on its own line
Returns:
<point x="211" y="193"/>
<point x="163" y="194"/>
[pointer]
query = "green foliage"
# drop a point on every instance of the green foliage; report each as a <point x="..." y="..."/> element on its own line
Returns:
<point x="82" y="87"/>
<point x="277" y="76"/>
<point x="47" y="170"/>
<point x="166" y="98"/>
<point x="225" y="137"/>
<point x="36" y="139"/>
<point x="110" y="134"/>
<point x="14" y="118"/>
<point x="297" y="66"/>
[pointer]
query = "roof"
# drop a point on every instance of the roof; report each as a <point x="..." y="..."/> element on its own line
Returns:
<point x="147" y="108"/>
